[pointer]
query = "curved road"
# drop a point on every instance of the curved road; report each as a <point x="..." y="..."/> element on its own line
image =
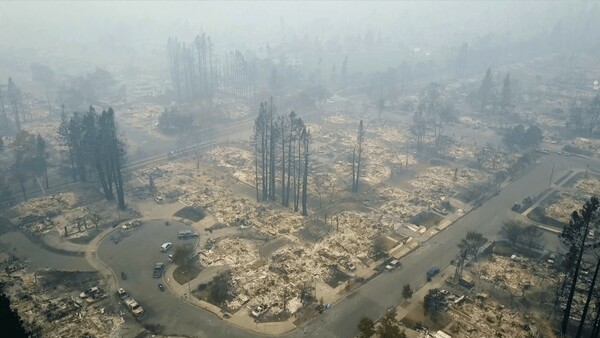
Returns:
<point x="371" y="299"/>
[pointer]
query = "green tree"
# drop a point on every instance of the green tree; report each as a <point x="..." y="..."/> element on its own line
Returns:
<point x="407" y="292"/>
<point x="24" y="149"/>
<point x="16" y="102"/>
<point x="3" y="115"/>
<point x="64" y="140"/>
<point x="533" y="136"/>
<point x="221" y="288"/>
<point x="434" y="304"/>
<point x="512" y="231"/>
<point x="366" y="327"/>
<point x="389" y="327"/>
<point x="593" y="112"/>
<point x="590" y="295"/>
<point x="42" y="158"/>
<point x="5" y="191"/>
<point x="533" y="237"/>
<point x="573" y="237"/>
<point x="116" y="152"/>
<point x="472" y="243"/>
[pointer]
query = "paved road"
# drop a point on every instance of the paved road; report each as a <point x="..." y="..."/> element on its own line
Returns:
<point x="385" y="290"/>
<point x="16" y="243"/>
<point x="372" y="299"/>
<point x="136" y="254"/>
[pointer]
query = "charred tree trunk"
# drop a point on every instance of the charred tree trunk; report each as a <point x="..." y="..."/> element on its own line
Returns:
<point x="272" y="152"/>
<point x="354" y="170"/>
<point x="282" y="126"/>
<point x="585" y="218"/>
<point x="14" y="99"/>
<point x="256" y="163"/>
<point x="305" y="174"/>
<point x="298" y="173"/>
<point x="3" y="114"/>
<point x="587" y="302"/>
<point x="361" y="136"/>
<point x="289" y="160"/>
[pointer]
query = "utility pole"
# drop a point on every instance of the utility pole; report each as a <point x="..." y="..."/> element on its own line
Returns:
<point x="551" y="175"/>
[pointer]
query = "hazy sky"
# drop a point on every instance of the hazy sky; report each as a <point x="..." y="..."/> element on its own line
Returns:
<point x="22" y="22"/>
<point x="86" y="32"/>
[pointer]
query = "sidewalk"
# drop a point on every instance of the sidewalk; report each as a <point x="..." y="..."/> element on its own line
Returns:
<point x="417" y="298"/>
<point x="241" y="318"/>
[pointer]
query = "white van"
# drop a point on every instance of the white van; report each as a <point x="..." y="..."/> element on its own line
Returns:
<point x="166" y="246"/>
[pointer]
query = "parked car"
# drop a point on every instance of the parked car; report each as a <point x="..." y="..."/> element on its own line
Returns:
<point x="122" y="293"/>
<point x="393" y="264"/>
<point x="91" y="292"/>
<point x="184" y="234"/>
<point x="135" y="308"/>
<point x="166" y="246"/>
<point x="158" y="270"/>
<point x="158" y="199"/>
<point x="432" y="272"/>
<point x="259" y="310"/>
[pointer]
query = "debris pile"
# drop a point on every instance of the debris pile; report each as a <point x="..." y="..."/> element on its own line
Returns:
<point x="402" y="204"/>
<point x="171" y="179"/>
<point x="589" y="186"/>
<point x="49" y="206"/>
<point x="468" y="121"/>
<point x="394" y="134"/>
<point x="45" y="129"/>
<point x="56" y="313"/>
<point x="461" y="151"/>
<point x="563" y="207"/>
<point x="339" y="119"/>
<point x="438" y="183"/>
<point x="240" y="161"/>
<point x="235" y="253"/>
<point x="517" y="273"/>
<point x="293" y="266"/>
<point x="485" y="318"/>
<point x="36" y="215"/>
<point x="586" y="144"/>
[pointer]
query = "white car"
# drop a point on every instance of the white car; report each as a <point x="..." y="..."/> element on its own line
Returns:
<point x="259" y="310"/>
<point x="91" y="292"/>
<point x="166" y="246"/>
<point x="392" y="265"/>
<point x="122" y="293"/>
